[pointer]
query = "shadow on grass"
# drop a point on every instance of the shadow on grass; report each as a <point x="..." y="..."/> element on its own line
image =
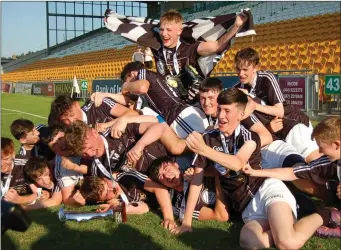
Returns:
<point x="213" y="238"/>
<point x="100" y="234"/>
<point x="7" y="243"/>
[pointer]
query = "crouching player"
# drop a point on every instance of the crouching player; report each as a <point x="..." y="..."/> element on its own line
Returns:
<point x="268" y="208"/>
<point x="211" y="203"/>
<point x="134" y="189"/>
<point x="322" y="172"/>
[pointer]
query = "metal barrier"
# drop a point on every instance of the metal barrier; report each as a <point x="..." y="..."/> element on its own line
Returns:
<point x="309" y="96"/>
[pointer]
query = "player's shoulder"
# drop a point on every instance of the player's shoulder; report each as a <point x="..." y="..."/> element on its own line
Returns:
<point x="266" y="75"/>
<point x="20" y="160"/>
<point x="210" y="132"/>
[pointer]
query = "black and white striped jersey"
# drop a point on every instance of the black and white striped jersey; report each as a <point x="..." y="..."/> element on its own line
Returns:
<point x="100" y="114"/>
<point x="132" y="183"/>
<point x="237" y="186"/>
<point x="162" y="97"/>
<point x="318" y="171"/>
<point x="207" y="197"/>
<point x="118" y="147"/>
<point x="266" y="91"/>
<point x="41" y="148"/>
<point x="17" y="181"/>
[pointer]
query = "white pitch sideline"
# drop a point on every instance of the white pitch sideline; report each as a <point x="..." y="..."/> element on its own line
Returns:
<point x="18" y="111"/>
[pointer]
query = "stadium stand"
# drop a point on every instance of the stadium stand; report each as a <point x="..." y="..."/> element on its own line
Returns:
<point x="290" y="36"/>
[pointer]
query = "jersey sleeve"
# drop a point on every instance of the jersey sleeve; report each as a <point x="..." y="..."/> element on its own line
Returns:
<point x="143" y="74"/>
<point x="275" y="94"/>
<point x="132" y="179"/>
<point x="192" y="51"/>
<point x="318" y="171"/>
<point x="107" y="105"/>
<point x="250" y="121"/>
<point x="132" y="129"/>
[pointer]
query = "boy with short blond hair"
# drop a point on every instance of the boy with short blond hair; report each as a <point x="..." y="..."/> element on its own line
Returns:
<point x="322" y="172"/>
<point x="172" y="16"/>
<point x="175" y="53"/>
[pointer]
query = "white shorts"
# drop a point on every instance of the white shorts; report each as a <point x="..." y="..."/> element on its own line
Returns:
<point x="149" y="111"/>
<point x="66" y="177"/>
<point x="190" y="119"/>
<point x="300" y="137"/>
<point x="272" y="190"/>
<point x="275" y="153"/>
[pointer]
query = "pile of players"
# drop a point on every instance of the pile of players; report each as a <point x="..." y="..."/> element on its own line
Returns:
<point x="242" y="153"/>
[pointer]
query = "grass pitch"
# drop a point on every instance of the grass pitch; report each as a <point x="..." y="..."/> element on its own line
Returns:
<point x="141" y="231"/>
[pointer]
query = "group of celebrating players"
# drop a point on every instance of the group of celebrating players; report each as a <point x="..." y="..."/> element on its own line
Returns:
<point x="187" y="147"/>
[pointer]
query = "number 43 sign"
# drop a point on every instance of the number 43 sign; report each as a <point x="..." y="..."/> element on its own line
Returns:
<point x="332" y="85"/>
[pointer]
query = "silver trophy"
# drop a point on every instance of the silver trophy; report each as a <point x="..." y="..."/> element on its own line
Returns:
<point x="117" y="215"/>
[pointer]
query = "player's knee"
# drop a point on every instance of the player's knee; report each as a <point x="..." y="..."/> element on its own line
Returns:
<point x="222" y="217"/>
<point x="250" y="240"/>
<point x="285" y="243"/>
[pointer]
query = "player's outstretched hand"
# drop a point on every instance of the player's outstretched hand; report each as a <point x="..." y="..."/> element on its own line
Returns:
<point x="188" y="175"/>
<point x="97" y="98"/>
<point x="11" y="195"/>
<point x="135" y="154"/>
<point x="240" y="20"/>
<point x="247" y="169"/>
<point x="276" y="124"/>
<point x="168" y="224"/>
<point x="196" y="143"/>
<point x="182" y="229"/>
<point x="119" y="127"/>
<point x="104" y="208"/>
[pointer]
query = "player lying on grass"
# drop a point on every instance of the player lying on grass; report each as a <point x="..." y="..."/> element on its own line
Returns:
<point x="134" y="189"/>
<point x="322" y="172"/>
<point x="267" y="206"/>
<point x="38" y="172"/>
<point x="14" y="188"/>
<point x="211" y="203"/>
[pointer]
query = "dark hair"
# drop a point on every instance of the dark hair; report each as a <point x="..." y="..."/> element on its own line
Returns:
<point x="247" y="55"/>
<point x="34" y="168"/>
<point x="50" y="134"/>
<point x="60" y="106"/>
<point x="91" y="187"/>
<point x="74" y="138"/>
<point x="132" y="66"/>
<point x="211" y="83"/>
<point x="232" y="95"/>
<point x="20" y="128"/>
<point x="7" y="146"/>
<point x="153" y="170"/>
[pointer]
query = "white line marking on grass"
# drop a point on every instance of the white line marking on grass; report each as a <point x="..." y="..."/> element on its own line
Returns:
<point x="18" y="111"/>
<point x="9" y="113"/>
